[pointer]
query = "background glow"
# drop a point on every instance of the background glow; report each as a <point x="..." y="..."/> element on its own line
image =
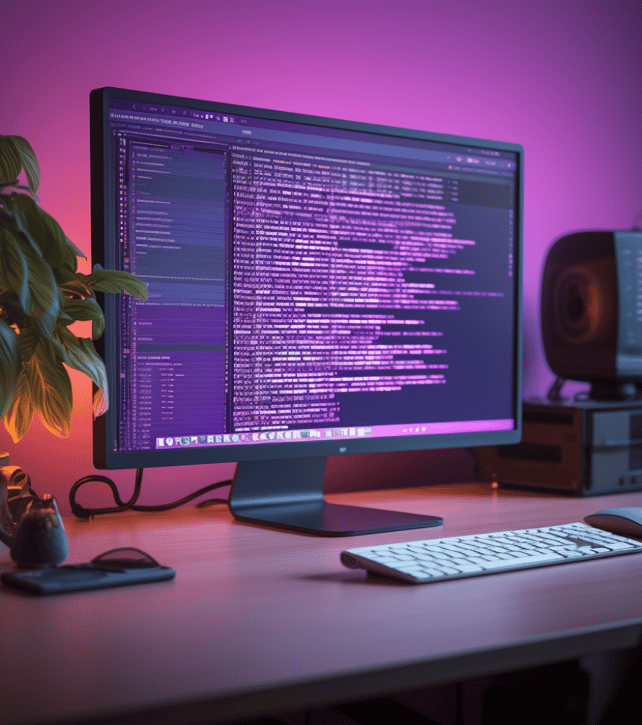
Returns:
<point x="560" y="77"/>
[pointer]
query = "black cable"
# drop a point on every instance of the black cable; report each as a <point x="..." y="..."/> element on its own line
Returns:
<point x="554" y="394"/>
<point x="85" y="513"/>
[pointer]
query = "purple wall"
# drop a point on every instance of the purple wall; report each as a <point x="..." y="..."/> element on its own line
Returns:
<point x="562" y="78"/>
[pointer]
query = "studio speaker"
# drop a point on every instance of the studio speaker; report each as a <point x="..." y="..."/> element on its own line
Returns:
<point x="591" y="311"/>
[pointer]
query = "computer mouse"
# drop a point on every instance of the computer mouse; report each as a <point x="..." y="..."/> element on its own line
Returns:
<point x="626" y="521"/>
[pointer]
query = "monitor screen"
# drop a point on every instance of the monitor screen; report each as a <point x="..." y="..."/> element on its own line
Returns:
<point x="316" y="287"/>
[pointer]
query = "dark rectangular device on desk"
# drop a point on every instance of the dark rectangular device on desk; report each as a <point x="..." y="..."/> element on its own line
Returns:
<point x="578" y="447"/>
<point x="316" y="288"/>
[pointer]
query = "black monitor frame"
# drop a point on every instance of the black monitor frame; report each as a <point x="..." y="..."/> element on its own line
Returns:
<point x="273" y="480"/>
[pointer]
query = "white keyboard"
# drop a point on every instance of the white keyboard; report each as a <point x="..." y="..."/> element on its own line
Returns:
<point x="457" y="557"/>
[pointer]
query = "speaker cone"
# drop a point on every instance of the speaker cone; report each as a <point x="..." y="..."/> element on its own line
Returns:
<point x="582" y="305"/>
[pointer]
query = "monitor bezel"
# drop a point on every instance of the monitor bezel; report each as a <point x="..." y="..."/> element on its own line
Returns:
<point x="104" y="426"/>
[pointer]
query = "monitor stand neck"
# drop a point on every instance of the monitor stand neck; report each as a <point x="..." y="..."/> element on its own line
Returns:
<point x="288" y="494"/>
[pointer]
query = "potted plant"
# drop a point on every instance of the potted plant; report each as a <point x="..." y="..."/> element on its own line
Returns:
<point x="41" y="295"/>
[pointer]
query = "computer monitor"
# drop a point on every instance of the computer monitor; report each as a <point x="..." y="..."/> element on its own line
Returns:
<point x="316" y="288"/>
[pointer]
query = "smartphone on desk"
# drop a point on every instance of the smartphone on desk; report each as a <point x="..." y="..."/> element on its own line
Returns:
<point x="117" y="567"/>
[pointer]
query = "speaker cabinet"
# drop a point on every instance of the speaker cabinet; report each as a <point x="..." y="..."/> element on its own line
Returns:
<point x="592" y="307"/>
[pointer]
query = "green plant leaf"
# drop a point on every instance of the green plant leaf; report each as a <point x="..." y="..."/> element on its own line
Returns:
<point x="64" y="276"/>
<point x="75" y="251"/>
<point x="28" y="340"/>
<point x="41" y="230"/>
<point x="28" y="160"/>
<point x="43" y="302"/>
<point x="80" y="304"/>
<point x="57" y="247"/>
<point x="9" y="366"/>
<point x="71" y="286"/>
<point x="45" y="295"/>
<point x="97" y="327"/>
<point x="50" y="388"/>
<point x="20" y="414"/>
<point x="79" y="353"/>
<point x="9" y="161"/>
<point x="24" y="211"/>
<point x="111" y="280"/>
<point x="15" y="268"/>
<point x="87" y="309"/>
<point x="99" y="402"/>
<point x="26" y="189"/>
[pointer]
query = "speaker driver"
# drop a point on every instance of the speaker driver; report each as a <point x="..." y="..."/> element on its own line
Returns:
<point x="582" y="305"/>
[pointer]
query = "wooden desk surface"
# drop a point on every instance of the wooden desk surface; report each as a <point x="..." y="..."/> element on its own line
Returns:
<point x="259" y="621"/>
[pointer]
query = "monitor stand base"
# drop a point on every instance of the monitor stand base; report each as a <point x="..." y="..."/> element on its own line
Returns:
<point x="288" y="494"/>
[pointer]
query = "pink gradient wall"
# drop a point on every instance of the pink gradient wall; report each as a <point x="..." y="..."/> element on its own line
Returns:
<point x="560" y="77"/>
